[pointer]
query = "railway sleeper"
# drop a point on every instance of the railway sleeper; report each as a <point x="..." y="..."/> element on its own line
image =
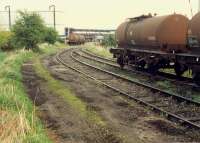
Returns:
<point x="175" y="118"/>
<point x="194" y="119"/>
<point x="187" y="115"/>
<point x="158" y="101"/>
<point x="142" y="96"/>
<point x="162" y="106"/>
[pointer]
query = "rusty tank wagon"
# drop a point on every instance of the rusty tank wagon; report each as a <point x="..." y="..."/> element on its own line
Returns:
<point x="155" y="42"/>
<point x="195" y="26"/>
<point x="76" y="39"/>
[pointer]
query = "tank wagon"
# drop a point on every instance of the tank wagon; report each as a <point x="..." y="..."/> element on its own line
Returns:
<point x="76" y="39"/>
<point x="195" y="26"/>
<point x="158" y="42"/>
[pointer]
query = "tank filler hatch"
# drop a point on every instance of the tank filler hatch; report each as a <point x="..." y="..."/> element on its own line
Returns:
<point x="140" y="17"/>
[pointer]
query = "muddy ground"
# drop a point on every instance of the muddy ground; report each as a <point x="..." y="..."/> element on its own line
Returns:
<point x="126" y="120"/>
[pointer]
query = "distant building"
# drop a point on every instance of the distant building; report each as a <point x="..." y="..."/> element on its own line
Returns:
<point x="90" y="34"/>
<point x="99" y="38"/>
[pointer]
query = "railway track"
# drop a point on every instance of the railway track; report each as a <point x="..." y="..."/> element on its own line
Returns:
<point x="174" y="107"/>
<point x="161" y="75"/>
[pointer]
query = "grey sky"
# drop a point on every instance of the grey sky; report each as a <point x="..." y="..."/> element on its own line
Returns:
<point x="106" y="14"/>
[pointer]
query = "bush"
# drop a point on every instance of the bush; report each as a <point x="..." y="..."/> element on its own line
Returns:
<point x="5" y="40"/>
<point x="28" y="31"/>
<point x="51" y="35"/>
<point x="61" y="40"/>
<point x="109" y="41"/>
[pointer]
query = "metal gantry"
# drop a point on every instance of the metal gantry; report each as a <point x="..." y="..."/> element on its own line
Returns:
<point x="52" y="8"/>
<point x="88" y="31"/>
<point x="89" y="34"/>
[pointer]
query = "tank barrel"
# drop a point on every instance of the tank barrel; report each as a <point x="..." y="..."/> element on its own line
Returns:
<point x="147" y="30"/>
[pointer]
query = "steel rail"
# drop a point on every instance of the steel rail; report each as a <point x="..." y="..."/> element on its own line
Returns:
<point x="169" y="116"/>
<point x="94" y="55"/>
<point x="179" y="97"/>
<point x="100" y="61"/>
<point x="113" y="64"/>
<point x="168" y="76"/>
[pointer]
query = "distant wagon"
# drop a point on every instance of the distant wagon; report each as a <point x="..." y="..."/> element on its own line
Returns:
<point x="76" y="39"/>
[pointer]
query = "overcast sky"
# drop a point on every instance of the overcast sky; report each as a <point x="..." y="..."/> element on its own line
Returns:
<point x="107" y="14"/>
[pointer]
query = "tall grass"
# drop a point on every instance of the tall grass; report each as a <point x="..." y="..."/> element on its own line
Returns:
<point x="2" y="56"/>
<point x="98" y="50"/>
<point x="18" y="123"/>
<point x="13" y="126"/>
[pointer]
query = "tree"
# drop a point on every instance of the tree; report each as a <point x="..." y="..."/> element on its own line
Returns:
<point x="5" y="40"/>
<point x="51" y="35"/>
<point x="29" y="30"/>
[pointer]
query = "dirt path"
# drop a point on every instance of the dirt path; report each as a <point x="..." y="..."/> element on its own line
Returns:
<point x="127" y="121"/>
<point x="63" y="124"/>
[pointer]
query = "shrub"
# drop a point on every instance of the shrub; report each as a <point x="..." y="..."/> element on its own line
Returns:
<point x="51" y="35"/>
<point x="5" y="40"/>
<point x="109" y="41"/>
<point x="29" y="30"/>
<point x="61" y="40"/>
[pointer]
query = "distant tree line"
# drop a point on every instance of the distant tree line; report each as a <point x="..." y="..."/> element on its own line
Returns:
<point x="28" y="32"/>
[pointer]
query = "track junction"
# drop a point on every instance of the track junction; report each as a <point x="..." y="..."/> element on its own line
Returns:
<point x="173" y="106"/>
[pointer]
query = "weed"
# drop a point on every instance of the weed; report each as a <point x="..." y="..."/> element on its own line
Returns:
<point x="98" y="50"/>
<point x="56" y="87"/>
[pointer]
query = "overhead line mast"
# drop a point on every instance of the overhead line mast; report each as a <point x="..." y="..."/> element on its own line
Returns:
<point x="190" y="8"/>
<point x="199" y="6"/>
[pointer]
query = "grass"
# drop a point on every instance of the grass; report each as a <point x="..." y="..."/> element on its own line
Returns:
<point x="98" y="50"/>
<point x="171" y="71"/>
<point x="2" y="56"/>
<point x="164" y="85"/>
<point x="17" y="113"/>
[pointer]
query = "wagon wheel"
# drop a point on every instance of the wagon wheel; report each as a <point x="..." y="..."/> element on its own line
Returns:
<point x="178" y="69"/>
<point x="196" y="78"/>
<point x="152" y="68"/>
<point x="142" y="64"/>
<point x="121" y="62"/>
